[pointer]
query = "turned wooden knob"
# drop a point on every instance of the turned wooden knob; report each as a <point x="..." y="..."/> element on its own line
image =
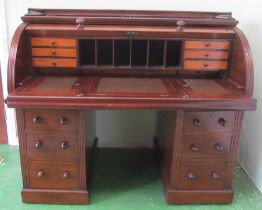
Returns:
<point x="37" y="119"/>
<point x="222" y="121"/>
<point x="194" y="148"/>
<point x="80" y="22"/>
<point x="54" y="63"/>
<point x="207" y="44"/>
<point x="53" y="52"/>
<point x="53" y="42"/>
<point x="63" y="120"/>
<point x="205" y="64"/>
<point x="219" y="147"/>
<point x="197" y="122"/>
<point x="180" y="24"/>
<point x="206" y="54"/>
<point x="66" y="175"/>
<point x="64" y="145"/>
<point x="191" y="175"/>
<point x="39" y="144"/>
<point x="215" y="175"/>
<point x="40" y="174"/>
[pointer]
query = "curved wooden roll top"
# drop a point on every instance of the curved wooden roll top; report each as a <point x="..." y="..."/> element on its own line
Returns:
<point x="133" y="44"/>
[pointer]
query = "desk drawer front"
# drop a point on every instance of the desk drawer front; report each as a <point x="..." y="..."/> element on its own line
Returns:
<point x="196" y="175"/>
<point x="215" y="147"/>
<point x="54" y="175"/>
<point x="54" y="62"/>
<point x="205" y="65"/>
<point x="208" y="44"/>
<point x="189" y="54"/>
<point x="53" y="42"/>
<point x="54" y="52"/>
<point x="197" y="123"/>
<point x="52" y="145"/>
<point x="50" y="120"/>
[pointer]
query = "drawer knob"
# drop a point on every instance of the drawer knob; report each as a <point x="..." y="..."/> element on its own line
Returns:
<point x="180" y="25"/>
<point x="206" y="54"/>
<point x="53" y="52"/>
<point x="215" y="175"/>
<point x="63" y="121"/>
<point x="53" y="42"/>
<point x="194" y="148"/>
<point x="39" y="144"/>
<point x="80" y="23"/>
<point x="54" y="63"/>
<point x="207" y="44"/>
<point x="205" y="64"/>
<point x="40" y="174"/>
<point x="66" y="175"/>
<point x="64" y="145"/>
<point x="219" y="147"/>
<point x="197" y="122"/>
<point x="191" y="175"/>
<point x="37" y="119"/>
<point x="222" y="121"/>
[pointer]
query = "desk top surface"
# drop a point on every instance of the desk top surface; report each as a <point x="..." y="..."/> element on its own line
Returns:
<point x="129" y="92"/>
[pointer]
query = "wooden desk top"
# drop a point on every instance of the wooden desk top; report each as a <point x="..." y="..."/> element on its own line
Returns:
<point x="129" y="93"/>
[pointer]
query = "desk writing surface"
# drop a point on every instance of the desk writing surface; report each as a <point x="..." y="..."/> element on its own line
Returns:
<point x="115" y="92"/>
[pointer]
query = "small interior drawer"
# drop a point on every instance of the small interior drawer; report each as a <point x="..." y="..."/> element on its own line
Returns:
<point x="52" y="145"/>
<point x="54" y="62"/>
<point x="50" y="119"/>
<point x="205" y="65"/>
<point x="203" y="123"/>
<point x="53" y="42"/>
<point x="190" y="54"/>
<point x="208" y="44"/>
<point x="212" y="146"/>
<point x="201" y="175"/>
<point x="54" y="175"/>
<point x="54" y="52"/>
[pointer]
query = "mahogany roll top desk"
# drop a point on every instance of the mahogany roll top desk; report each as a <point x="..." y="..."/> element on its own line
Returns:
<point x="194" y="68"/>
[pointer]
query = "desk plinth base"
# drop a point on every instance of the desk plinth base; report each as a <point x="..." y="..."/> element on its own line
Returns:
<point x="55" y="196"/>
<point x="198" y="196"/>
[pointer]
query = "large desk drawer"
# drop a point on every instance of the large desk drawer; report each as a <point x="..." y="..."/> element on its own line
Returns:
<point x="198" y="123"/>
<point x="54" y="175"/>
<point x="40" y="119"/>
<point x="52" y="145"/>
<point x="206" y="147"/>
<point x="200" y="175"/>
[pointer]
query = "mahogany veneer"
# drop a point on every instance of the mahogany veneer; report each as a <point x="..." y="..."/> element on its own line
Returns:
<point x="194" y="68"/>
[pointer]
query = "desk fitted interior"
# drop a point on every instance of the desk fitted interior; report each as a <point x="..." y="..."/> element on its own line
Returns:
<point x="134" y="92"/>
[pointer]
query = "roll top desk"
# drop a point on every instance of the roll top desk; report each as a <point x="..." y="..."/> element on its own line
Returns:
<point x="194" y="68"/>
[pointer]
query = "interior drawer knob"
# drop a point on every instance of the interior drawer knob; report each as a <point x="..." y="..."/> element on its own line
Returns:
<point x="40" y="174"/>
<point x="53" y="42"/>
<point x="37" y="119"/>
<point x="219" y="147"/>
<point x="197" y="122"/>
<point x="207" y="44"/>
<point x="194" y="148"/>
<point x="222" y="121"/>
<point x="191" y="175"/>
<point x="66" y="175"/>
<point x="215" y="175"/>
<point x="54" y="63"/>
<point x="53" y="52"/>
<point x="206" y="54"/>
<point x="63" y="121"/>
<point x="39" y="144"/>
<point x="64" y="145"/>
<point x="205" y="64"/>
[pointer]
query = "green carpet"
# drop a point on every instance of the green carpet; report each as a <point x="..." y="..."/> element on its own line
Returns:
<point x="120" y="180"/>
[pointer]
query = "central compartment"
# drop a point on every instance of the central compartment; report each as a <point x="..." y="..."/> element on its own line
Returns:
<point x="127" y="53"/>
